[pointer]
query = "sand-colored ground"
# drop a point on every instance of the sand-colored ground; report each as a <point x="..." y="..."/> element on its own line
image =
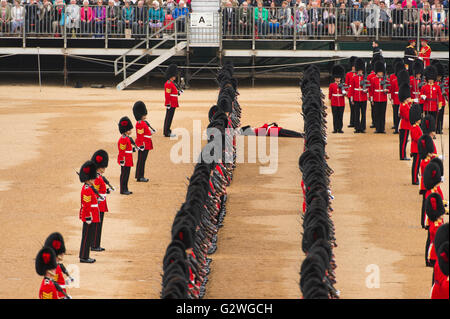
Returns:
<point x="47" y="135"/>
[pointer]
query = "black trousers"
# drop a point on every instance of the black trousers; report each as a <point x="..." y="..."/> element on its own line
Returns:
<point x="140" y="166"/>
<point x="372" y="113"/>
<point x="415" y="168"/>
<point x="124" y="176"/>
<point x="86" y="240"/>
<point x="288" y="133"/>
<point x="427" y="246"/>
<point x="360" y="115"/>
<point x="338" y="114"/>
<point x="168" y="120"/>
<point x="352" y="113"/>
<point x="380" y="116"/>
<point x="403" y="137"/>
<point x="98" y="232"/>
<point x="395" y="116"/>
<point x="422" y="215"/>
<point x="440" y="120"/>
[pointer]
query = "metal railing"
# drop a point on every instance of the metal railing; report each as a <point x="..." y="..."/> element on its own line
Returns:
<point x="292" y="23"/>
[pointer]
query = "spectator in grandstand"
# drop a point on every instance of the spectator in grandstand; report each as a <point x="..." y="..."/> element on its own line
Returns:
<point x="329" y="17"/>
<point x="356" y="19"/>
<point x="17" y="17"/>
<point x="315" y="23"/>
<point x="127" y="15"/>
<point x="141" y="17"/>
<point x="181" y="12"/>
<point x="410" y="19"/>
<point x="118" y="3"/>
<point x="45" y="17"/>
<point x="343" y="19"/>
<point x="301" y="19"/>
<point x="32" y="11"/>
<point x="438" y="20"/>
<point x="372" y="16"/>
<point x="169" y="6"/>
<point x="385" y="19"/>
<point x="274" y="23"/>
<point x="156" y="17"/>
<point x="245" y="19"/>
<point x="234" y="3"/>
<point x="113" y="15"/>
<point x="58" y="18"/>
<point x="405" y="3"/>
<point x="285" y="18"/>
<point x="261" y="16"/>
<point x="229" y="19"/>
<point x="397" y="20"/>
<point x="99" y="16"/>
<point x="5" y="16"/>
<point x="86" y="17"/>
<point x="425" y="20"/>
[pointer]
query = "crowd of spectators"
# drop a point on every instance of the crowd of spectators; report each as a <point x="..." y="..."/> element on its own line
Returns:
<point x="318" y="18"/>
<point x="91" y="17"/>
<point x="240" y="18"/>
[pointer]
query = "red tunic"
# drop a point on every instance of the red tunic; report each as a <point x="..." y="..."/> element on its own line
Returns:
<point x="335" y="95"/>
<point x="356" y="91"/>
<point x="348" y="77"/>
<point x="376" y="90"/>
<point x="267" y="130"/>
<point x="414" y="88"/>
<point x="416" y="133"/>
<point x="144" y="135"/>
<point x="171" y="94"/>
<point x="59" y="279"/>
<point x="48" y="290"/>
<point x="433" y="229"/>
<point x="424" y="54"/>
<point x="393" y="90"/>
<point x="100" y="186"/>
<point x="440" y="289"/>
<point x="369" y="79"/>
<point x="404" y="116"/>
<point x="431" y="97"/>
<point x="89" y="204"/>
<point x="125" y="151"/>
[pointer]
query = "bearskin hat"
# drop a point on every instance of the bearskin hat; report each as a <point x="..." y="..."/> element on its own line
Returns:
<point x="45" y="260"/>
<point x="100" y="158"/>
<point x="88" y="171"/>
<point x="379" y="67"/>
<point x="352" y="61"/>
<point x="338" y="71"/>
<point x="225" y="104"/>
<point x="360" y="65"/>
<point x="431" y="176"/>
<point x="418" y="67"/>
<point x="439" y="67"/>
<point x="139" y="110"/>
<point x="171" y="71"/>
<point x="431" y="73"/>
<point x="211" y="112"/>
<point x="125" y="124"/>
<point x="442" y="255"/>
<point x="56" y="241"/>
<point x="399" y="66"/>
<point x="439" y="163"/>
<point x="434" y="206"/>
<point x="403" y="77"/>
<point x="425" y="146"/>
<point x="428" y="124"/>
<point x="403" y="92"/>
<point x="183" y="233"/>
<point x="415" y="113"/>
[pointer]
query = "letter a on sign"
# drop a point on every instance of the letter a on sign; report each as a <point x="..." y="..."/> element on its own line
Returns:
<point x="202" y="20"/>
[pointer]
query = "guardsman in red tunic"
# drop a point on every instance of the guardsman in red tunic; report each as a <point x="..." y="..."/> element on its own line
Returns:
<point x="442" y="83"/>
<point x="379" y="88"/>
<point x="125" y="156"/>
<point x="393" y="91"/>
<point x="62" y="276"/>
<point x="415" y="113"/>
<point x="348" y="78"/>
<point x="425" y="52"/>
<point x="426" y="151"/>
<point x="336" y="95"/>
<point x="434" y="208"/>
<point x="416" y="82"/>
<point x="405" y="99"/>
<point x="101" y="160"/>
<point x="359" y="87"/>
<point x="430" y="94"/>
<point x="89" y="212"/>
<point x="143" y="139"/>
<point x="371" y="75"/>
<point x="171" y="97"/>
<point x="440" y="289"/>
<point x="45" y="265"/>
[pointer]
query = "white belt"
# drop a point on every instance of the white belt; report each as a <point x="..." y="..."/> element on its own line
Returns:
<point x="395" y="92"/>
<point x="103" y="195"/>
<point x="96" y="205"/>
<point x="129" y="152"/>
<point x="379" y="90"/>
<point x="337" y="94"/>
<point x="147" y="136"/>
<point x="359" y="89"/>
<point x="416" y="92"/>
<point x="174" y="95"/>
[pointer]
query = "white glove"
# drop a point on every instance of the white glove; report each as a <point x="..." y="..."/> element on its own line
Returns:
<point x="88" y="220"/>
<point x="416" y="100"/>
<point x="153" y="131"/>
<point x="442" y="157"/>
<point x="424" y="97"/>
<point x="122" y="163"/>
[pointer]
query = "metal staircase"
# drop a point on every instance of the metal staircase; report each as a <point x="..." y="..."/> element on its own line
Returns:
<point x="164" y="56"/>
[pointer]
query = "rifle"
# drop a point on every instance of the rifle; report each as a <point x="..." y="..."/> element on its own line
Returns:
<point x="150" y="126"/>
<point x="444" y="86"/>
<point x="343" y="87"/>
<point x="384" y="82"/>
<point x="181" y="86"/>
<point x="58" y="287"/>
<point x="108" y="183"/>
